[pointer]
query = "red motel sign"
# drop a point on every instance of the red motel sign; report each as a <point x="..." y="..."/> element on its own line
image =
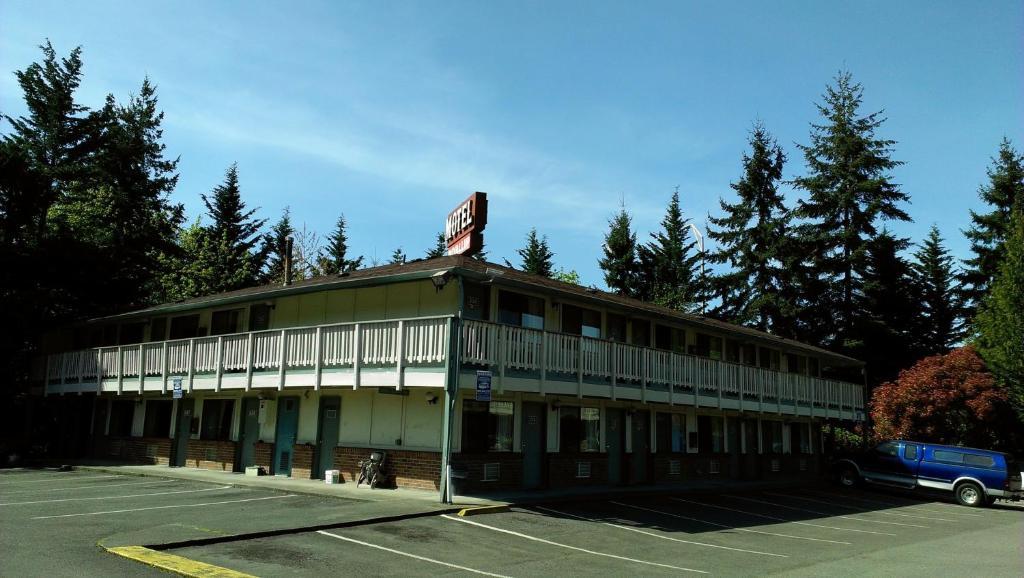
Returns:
<point x="463" y="230"/>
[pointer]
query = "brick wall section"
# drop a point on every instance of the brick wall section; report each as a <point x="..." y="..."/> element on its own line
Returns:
<point x="210" y="455"/>
<point x="562" y="468"/>
<point x="139" y="450"/>
<point x="302" y="461"/>
<point x="510" y="471"/>
<point x="409" y="469"/>
<point x="263" y="455"/>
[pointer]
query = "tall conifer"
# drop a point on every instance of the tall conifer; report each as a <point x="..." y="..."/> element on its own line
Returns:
<point x="234" y="232"/>
<point x="668" y="263"/>
<point x="274" y="244"/>
<point x="620" y="262"/>
<point x="537" y="255"/>
<point x="439" y="249"/>
<point x="334" y="259"/>
<point x="941" y="325"/>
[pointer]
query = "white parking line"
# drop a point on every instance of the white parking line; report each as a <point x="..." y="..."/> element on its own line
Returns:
<point x="826" y="514"/>
<point x="164" y="507"/>
<point x="777" y="519"/>
<point x="114" y="497"/>
<point x="639" y="531"/>
<point x="681" y="517"/>
<point x="56" y="479"/>
<point x="879" y="513"/>
<point x="895" y="505"/>
<point x="97" y="487"/>
<point x="400" y="553"/>
<point x="568" y="547"/>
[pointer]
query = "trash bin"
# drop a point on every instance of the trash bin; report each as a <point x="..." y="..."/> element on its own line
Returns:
<point x="458" y="477"/>
<point x="332" y="476"/>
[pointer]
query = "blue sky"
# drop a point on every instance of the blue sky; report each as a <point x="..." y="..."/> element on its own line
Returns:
<point x="394" y="112"/>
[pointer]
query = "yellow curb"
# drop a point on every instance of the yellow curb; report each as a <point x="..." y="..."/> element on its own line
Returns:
<point x="482" y="510"/>
<point x="177" y="564"/>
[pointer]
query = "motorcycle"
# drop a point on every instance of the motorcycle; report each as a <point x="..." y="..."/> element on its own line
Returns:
<point x="374" y="470"/>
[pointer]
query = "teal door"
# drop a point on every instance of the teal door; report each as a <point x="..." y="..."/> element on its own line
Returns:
<point x="250" y="434"/>
<point x="641" y="447"/>
<point x="182" y="431"/>
<point x="284" y="439"/>
<point x="327" y="434"/>
<point x="533" y="445"/>
<point x="616" y="438"/>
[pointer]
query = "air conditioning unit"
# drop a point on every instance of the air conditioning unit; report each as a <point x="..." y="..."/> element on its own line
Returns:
<point x="776" y="465"/>
<point x="492" y="472"/>
<point x="675" y="468"/>
<point x="803" y="464"/>
<point x="582" y="469"/>
<point x="714" y="467"/>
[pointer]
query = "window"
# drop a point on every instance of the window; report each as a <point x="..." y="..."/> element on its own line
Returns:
<point x="813" y="367"/>
<point x="579" y="321"/>
<point x="800" y="438"/>
<point x="768" y="358"/>
<point x="949" y="457"/>
<point x="910" y="452"/>
<point x="521" y="310"/>
<point x="487" y="427"/>
<point x="749" y="354"/>
<point x="710" y="434"/>
<point x="616" y="327"/>
<point x="771" y="437"/>
<point x="979" y="461"/>
<point x="217" y="414"/>
<point x="477" y="301"/>
<point x="663" y="337"/>
<point x="707" y="346"/>
<point x="158" y="329"/>
<point x="122" y="414"/>
<point x="796" y="363"/>
<point x="158" y="418"/>
<point x="226" y="321"/>
<point x="670" y="432"/>
<point x="259" y="317"/>
<point x="889" y="449"/>
<point x="732" y="351"/>
<point x="132" y="333"/>
<point x="641" y="332"/>
<point x="579" y="429"/>
<point x="184" y="327"/>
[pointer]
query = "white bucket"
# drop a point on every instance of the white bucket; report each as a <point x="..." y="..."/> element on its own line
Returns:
<point x="332" y="476"/>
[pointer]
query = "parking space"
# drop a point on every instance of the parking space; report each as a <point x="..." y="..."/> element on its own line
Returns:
<point x="810" y="532"/>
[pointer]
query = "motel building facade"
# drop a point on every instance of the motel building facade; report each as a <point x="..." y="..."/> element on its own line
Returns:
<point x="586" y="387"/>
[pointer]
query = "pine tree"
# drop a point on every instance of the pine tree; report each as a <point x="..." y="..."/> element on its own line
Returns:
<point x="234" y="234"/>
<point x="440" y="248"/>
<point x="988" y="231"/>
<point x="274" y="244"/>
<point x="753" y="238"/>
<point x="849" y="190"/>
<point x="668" y="263"/>
<point x="620" y="261"/>
<point x="886" y="337"/>
<point x="397" y="257"/>
<point x="1000" y="319"/>
<point x="537" y="255"/>
<point x="941" y="325"/>
<point x="192" y="270"/>
<point x="334" y="259"/>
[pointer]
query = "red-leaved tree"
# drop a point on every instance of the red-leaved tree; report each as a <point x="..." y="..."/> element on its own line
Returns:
<point x="948" y="399"/>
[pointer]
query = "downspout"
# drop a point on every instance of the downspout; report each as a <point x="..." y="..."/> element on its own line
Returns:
<point x="451" y="392"/>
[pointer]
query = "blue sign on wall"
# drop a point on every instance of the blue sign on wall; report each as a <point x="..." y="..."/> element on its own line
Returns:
<point x="176" y="391"/>
<point x="483" y="386"/>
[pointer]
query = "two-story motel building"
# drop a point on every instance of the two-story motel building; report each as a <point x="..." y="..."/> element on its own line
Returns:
<point x="587" y="387"/>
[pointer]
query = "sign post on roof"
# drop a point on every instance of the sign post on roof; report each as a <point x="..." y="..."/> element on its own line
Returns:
<point x="464" y="227"/>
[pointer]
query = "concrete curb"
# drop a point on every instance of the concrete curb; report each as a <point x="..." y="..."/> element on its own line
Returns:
<point x="173" y="563"/>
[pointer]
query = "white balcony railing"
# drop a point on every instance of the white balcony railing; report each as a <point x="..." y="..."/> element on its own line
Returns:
<point x="505" y="347"/>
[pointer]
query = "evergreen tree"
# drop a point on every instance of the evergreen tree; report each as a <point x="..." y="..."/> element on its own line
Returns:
<point x="989" y="230"/>
<point x="620" y="261"/>
<point x="397" y="257"/>
<point x="334" y="259"/>
<point x="537" y="255"/>
<point x="848" y="191"/>
<point x="274" y="244"/>
<point x="192" y="270"/>
<point x="439" y="249"/>
<point x="668" y="263"/>
<point x="753" y="238"/>
<point x="234" y="234"/>
<point x="941" y="325"/>
<point x="1000" y="319"/>
<point x="886" y="332"/>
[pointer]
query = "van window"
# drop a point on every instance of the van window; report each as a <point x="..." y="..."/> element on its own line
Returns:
<point x="949" y="457"/>
<point x="979" y="461"/>
<point x="910" y="452"/>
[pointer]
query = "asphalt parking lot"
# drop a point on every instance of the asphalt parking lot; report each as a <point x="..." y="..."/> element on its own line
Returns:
<point x="52" y="522"/>
<point x="810" y="533"/>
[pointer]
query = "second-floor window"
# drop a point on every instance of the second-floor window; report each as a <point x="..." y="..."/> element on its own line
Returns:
<point x="520" y="310"/>
<point x="580" y="321"/>
<point x="225" y="321"/>
<point x="184" y="327"/>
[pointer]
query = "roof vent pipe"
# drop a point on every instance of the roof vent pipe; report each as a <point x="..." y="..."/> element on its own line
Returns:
<point x="288" y="260"/>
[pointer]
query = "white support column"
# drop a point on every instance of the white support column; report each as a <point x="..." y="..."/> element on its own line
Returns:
<point x="543" y="360"/>
<point x="250" y="357"/>
<point x="502" y="355"/>
<point x="643" y="381"/>
<point x="721" y="377"/>
<point x="614" y="364"/>
<point x="357" y="354"/>
<point x="120" y="371"/>
<point x="579" y="367"/>
<point x="282" y="359"/>
<point x="142" y="367"/>
<point x="99" y="370"/>
<point x="163" y="368"/>
<point x="191" y="363"/>
<point x="673" y="368"/>
<point x="317" y="360"/>
<point x="220" y="363"/>
<point x="400" y="356"/>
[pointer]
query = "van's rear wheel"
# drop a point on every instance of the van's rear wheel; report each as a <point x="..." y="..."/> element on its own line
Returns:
<point x="970" y="494"/>
<point x="848" y="477"/>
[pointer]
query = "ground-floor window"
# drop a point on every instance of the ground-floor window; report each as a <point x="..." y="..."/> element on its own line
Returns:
<point x="158" y="418"/>
<point x="771" y="436"/>
<point x="670" y="432"/>
<point x="579" y="429"/>
<point x="487" y="426"/>
<point x="216" y="424"/>
<point x="122" y="414"/>
<point x="800" y="438"/>
<point x="710" y="434"/>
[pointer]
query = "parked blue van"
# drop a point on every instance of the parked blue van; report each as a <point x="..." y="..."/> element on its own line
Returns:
<point x="976" y="477"/>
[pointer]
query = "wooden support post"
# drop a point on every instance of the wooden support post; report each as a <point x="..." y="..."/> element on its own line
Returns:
<point x="579" y="367"/>
<point x="250" y="356"/>
<point x="220" y="363"/>
<point x="400" y="356"/>
<point x="317" y="359"/>
<point x="191" y="363"/>
<point x="142" y="367"/>
<point x="282" y="359"/>
<point x="357" y="355"/>
<point x="614" y="364"/>
<point x="120" y="371"/>
<point x="643" y="381"/>
<point x="543" y="361"/>
<point x="163" y="368"/>
<point x="99" y="370"/>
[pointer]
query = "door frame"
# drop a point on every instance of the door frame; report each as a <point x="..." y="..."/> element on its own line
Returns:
<point x="277" y="435"/>
<point x="318" y="466"/>
<point x="541" y="446"/>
